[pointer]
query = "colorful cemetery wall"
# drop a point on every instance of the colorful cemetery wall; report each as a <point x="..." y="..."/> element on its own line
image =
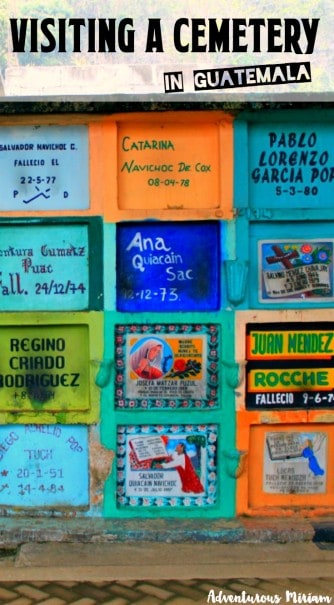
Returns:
<point x="166" y="315"/>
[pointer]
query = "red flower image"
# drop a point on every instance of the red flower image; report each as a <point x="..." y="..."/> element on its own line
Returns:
<point x="306" y="248"/>
<point x="180" y="365"/>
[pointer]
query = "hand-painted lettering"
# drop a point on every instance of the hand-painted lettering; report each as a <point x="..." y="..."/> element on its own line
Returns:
<point x="287" y="343"/>
<point x="295" y="379"/>
<point x="294" y="158"/>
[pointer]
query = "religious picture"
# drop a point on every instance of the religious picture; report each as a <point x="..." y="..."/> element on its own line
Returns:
<point x="168" y="366"/>
<point x="297" y="270"/>
<point x="148" y="359"/>
<point x="295" y="462"/>
<point x="170" y="465"/>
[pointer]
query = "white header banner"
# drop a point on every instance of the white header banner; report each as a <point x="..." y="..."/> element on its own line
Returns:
<point x="174" y="51"/>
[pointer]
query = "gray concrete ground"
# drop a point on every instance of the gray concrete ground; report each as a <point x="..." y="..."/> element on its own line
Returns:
<point x="157" y="561"/>
<point x="251" y="561"/>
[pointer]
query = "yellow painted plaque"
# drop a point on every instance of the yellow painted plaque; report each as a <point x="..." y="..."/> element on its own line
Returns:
<point x="44" y="368"/>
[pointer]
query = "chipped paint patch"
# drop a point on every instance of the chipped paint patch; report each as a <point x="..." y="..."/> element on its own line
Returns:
<point x="101" y="460"/>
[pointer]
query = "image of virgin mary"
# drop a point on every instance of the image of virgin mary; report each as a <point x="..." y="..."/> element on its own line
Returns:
<point x="148" y="360"/>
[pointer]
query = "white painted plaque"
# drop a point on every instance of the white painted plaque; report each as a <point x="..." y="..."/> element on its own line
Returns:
<point x="44" y="466"/>
<point x="295" y="462"/>
<point x="44" y="168"/>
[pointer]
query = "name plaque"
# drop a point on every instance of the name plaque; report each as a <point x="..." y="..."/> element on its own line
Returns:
<point x="168" y="165"/>
<point x="168" y="266"/>
<point x="290" y="367"/>
<point x="291" y="165"/>
<point x="44" y="368"/>
<point x="167" y="465"/>
<point x="38" y="463"/>
<point x="167" y="366"/>
<point x="296" y="270"/>
<point x="44" y="267"/>
<point x="295" y="462"/>
<point x="44" y="168"/>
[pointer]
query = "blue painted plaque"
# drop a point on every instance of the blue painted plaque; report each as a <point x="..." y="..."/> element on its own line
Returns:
<point x="44" y="267"/>
<point x="168" y="266"/>
<point x="291" y="165"/>
<point x="44" y="168"/>
<point x="38" y="464"/>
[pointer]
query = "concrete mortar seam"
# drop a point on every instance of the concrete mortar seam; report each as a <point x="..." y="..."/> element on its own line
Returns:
<point x="117" y="601"/>
<point x="123" y="591"/>
<point x="155" y="591"/>
<point x="53" y="601"/>
<point x="7" y="594"/>
<point x="22" y="601"/>
<point x="186" y="591"/>
<point x="84" y="601"/>
<point x="146" y="601"/>
<point x="27" y="590"/>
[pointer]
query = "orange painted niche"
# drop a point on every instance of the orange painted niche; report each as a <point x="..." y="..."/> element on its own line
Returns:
<point x="290" y="469"/>
<point x="170" y="165"/>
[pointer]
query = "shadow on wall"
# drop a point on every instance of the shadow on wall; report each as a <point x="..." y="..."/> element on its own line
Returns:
<point x="2" y="85"/>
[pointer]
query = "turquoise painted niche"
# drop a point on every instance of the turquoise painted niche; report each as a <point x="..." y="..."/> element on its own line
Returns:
<point x="284" y="161"/>
<point x="51" y="264"/>
<point x="169" y="386"/>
